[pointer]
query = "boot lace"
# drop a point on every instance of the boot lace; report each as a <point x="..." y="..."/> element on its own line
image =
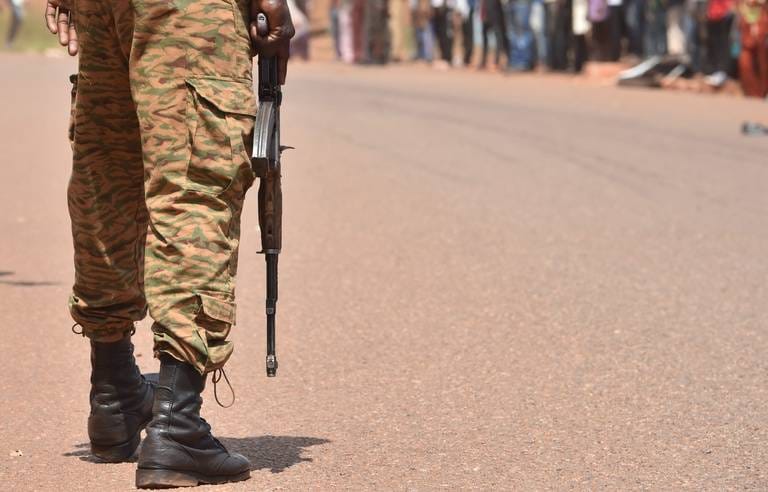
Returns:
<point x="216" y="377"/>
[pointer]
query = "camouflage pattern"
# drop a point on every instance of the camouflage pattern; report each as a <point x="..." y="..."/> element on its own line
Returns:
<point x="162" y="117"/>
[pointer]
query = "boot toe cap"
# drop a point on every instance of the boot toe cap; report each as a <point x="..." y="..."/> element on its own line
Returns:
<point x="235" y="464"/>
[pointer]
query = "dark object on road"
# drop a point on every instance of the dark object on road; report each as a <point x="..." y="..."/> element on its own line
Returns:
<point x="653" y="70"/>
<point x="266" y="165"/>
<point x="753" y="129"/>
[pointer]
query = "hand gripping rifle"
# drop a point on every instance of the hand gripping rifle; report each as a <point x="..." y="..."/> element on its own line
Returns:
<point x="266" y="164"/>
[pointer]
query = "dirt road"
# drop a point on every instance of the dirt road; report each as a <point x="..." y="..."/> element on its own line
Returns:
<point x="487" y="283"/>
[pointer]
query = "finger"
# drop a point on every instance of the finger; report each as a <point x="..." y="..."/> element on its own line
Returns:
<point x="73" y="46"/>
<point x="274" y="44"/>
<point x="265" y="46"/>
<point x="63" y="27"/>
<point x="262" y="45"/>
<point x="50" y="18"/>
<point x="253" y="30"/>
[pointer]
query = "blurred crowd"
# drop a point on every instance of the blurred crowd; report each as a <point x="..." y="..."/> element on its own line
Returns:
<point x="716" y="39"/>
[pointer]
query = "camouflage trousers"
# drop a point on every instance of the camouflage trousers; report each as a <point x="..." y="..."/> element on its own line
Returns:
<point x="163" y="112"/>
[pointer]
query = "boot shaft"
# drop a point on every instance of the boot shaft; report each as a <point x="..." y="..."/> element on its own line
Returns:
<point x="111" y="354"/>
<point x="113" y="367"/>
<point x="121" y="401"/>
<point x="178" y="400"/>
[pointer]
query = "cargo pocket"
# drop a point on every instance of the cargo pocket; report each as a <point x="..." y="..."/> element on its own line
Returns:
<point x="215" y="313"/>
<point x="73" y="97"/>
<point x="214" y="319"/>
<point x="220" y="117"/>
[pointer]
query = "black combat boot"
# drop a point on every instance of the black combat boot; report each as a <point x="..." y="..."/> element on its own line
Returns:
<point x="179" y="450"/>
<point x="121" y="401"/>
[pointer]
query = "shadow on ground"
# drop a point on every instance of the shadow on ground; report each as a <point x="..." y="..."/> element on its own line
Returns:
<point x="82" y="452"/>
<point x="27" y="283"/>
<point x="275" y="453"/>
<point x="23" y="283"/>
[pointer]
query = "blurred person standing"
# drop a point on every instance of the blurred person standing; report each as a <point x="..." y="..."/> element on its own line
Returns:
<point x="517" y="14"/>
<point x="598" y="12"/>
<point x="720" y="15"/>
<point x="753" y="58"/>
<point x="492" y="22"/>
<point x="466" y="10"/>
<point x="551" y="8"/>
<point x="423" y="39"/>
<point x="580" y="26"/>
<point x="696" y="34"/>
<point x="346" y="31"/>
<point x="634" y="19"/>
<point x="442" y="26"/>
<point x="17" y="17"/>
<point x="539" y="22"/>
<point x="377" y="34"/>
<point x="333" y="18"/>
<point x="617" y="27"/>
<point x="398" y="24"/>
<point x="300" y="15"/>
<point x="561" y="34"/>
<point x="655" y="28"/>
<point x="568" y="41"/>
<point x="676" y="19"/>
<point x="359" y="39"/>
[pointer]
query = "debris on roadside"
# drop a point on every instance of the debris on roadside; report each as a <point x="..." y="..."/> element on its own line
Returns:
<point x="675" y="73"/>
<point x="752" y="129"/>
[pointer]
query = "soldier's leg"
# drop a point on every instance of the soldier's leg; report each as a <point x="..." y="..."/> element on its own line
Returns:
<point x="109" y="221"/>
<point x="191" y="80"/>
<point x="192" y="83"/>
<point x="105" y="194"/>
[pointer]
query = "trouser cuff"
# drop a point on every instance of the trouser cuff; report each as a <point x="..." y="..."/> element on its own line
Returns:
<point x="103" y="334"/>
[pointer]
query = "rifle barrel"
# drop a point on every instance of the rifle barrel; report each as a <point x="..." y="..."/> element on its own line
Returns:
<point x="271" y="259"/>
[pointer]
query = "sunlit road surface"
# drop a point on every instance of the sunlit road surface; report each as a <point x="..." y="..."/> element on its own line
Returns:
<point x="487" y="283"/>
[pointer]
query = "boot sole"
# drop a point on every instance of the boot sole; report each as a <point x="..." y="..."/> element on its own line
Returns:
<point x="168" y="479"/>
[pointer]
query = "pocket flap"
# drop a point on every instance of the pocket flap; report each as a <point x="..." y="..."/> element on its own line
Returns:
<point x="230" y="96"/>
<point x="217" y="309"/>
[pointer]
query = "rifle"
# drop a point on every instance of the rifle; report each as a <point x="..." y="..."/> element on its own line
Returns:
<point x="266" y="165"/>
